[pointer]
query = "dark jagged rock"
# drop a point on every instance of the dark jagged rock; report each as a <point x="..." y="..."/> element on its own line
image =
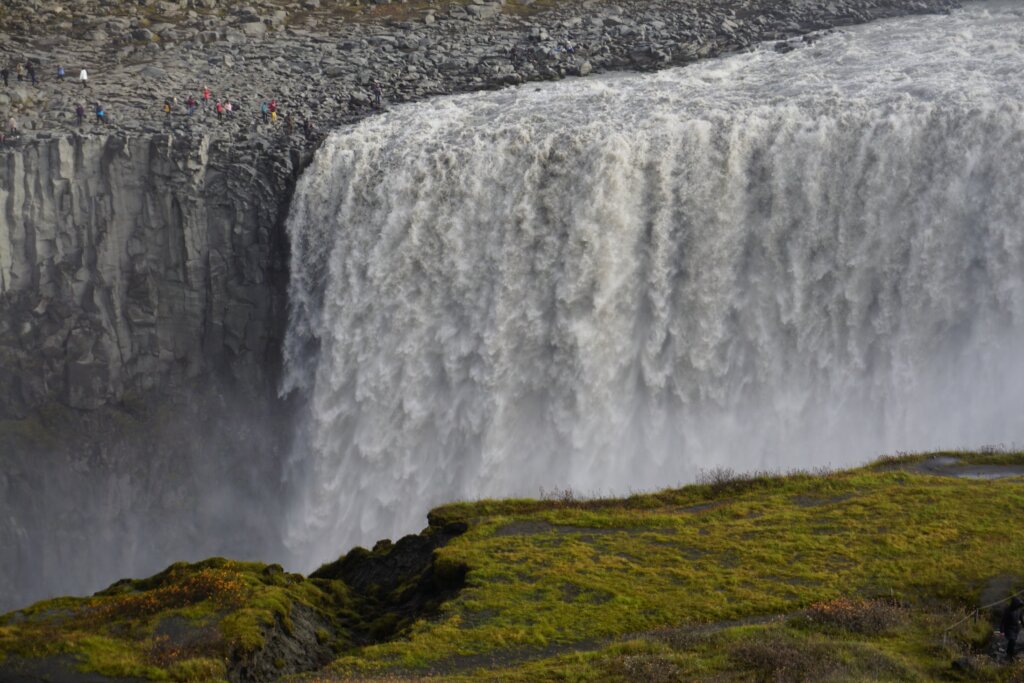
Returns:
<point x="399" y="580"/>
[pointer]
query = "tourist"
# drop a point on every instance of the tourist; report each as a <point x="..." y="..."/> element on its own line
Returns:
<point x="31" y="70"/>
<point x="191" y="105"/>
<point x="273" y="116"/>
<point x="377" y="93"/>
<point x="273" y="108"/>
<point x="307" y="129"/>
<point x="206" y="96"/>
<point x="60" y="73"/>
<point x="1013" y="618"/>
<point x="80" y="114"/>
<point x="12" y="126"/>
<point x="19" y="71"/>
<point x="264" y="111"/>
<point x="101" y="115"/>
<point x="229" y="108"/>
<point x="83" y="78"/>
<point x="219" y="108"/>
<point x="289" y="123"/>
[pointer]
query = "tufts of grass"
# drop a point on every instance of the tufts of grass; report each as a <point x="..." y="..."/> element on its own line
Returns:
<point x="118" y="632"/>
<point x="730" y="547"/>
<point x="854" y="575"/>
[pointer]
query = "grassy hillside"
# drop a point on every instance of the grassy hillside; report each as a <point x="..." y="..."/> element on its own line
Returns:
<point x="854" y="575"/>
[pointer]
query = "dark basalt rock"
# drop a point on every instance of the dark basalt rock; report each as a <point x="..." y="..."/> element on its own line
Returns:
<point x="399" y="582"/>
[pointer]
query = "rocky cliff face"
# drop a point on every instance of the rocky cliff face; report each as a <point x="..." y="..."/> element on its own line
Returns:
<point x="141" y="292"/>
<point x="133" y="264"/>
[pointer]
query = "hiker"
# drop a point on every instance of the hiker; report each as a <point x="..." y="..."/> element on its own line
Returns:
<point x="264" y="111"/>
<point x="19" y="71"/>
<point x="5" y="73"/>
<point x="101" y="115"/>
<point x="31" y="69"/>
<point x="219" y="108"/>
<point x="289" y="123"/>
<point x="191" y="105"/>
<point x="83" y="78"/>
<point x="60" y="73"/>
<point x="229" y="108"/>
<point x="206" y="96"/>
<point x="273" y="116"/>
<point x="377" y="92"/>
<point x="80" y="114"/>
<point x="167" y="108"/>
<point x="12" y="127"/>
<point x="1013" y="618"/>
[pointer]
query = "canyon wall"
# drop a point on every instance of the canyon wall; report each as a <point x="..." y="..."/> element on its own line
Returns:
<point x="142" y="285"/>
<point x="134" y="264"/>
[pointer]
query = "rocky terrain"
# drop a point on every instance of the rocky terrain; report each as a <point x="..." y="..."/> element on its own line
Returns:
<point x="143" y="262"/>
<point x="319" y="57"/>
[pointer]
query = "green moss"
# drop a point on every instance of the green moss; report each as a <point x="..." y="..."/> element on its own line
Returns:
<point x="553" y="586"/>
<point x="730" y="548"/>
<point x="113" y="657"/>
<point x="199" y="670"/>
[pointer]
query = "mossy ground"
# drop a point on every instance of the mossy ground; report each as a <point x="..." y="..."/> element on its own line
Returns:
<point x="555" y="585"/>
<point x="853" y="575"/>
<point x="185" y="624"/>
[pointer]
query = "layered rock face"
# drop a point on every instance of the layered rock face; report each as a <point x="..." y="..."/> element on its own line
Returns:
<point x="141" y="294"/>
<point x="128" y="265"/>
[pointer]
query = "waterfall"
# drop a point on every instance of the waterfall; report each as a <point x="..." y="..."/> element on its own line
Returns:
<point x="768" y="261"/>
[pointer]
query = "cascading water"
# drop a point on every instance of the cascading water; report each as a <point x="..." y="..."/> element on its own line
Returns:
<point x="767" y="261"/>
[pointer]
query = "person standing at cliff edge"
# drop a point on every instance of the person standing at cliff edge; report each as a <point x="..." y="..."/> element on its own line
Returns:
<point x="83" y="78"/>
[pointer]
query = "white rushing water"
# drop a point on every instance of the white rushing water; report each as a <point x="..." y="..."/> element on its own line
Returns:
<point x="766" y="261"/>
